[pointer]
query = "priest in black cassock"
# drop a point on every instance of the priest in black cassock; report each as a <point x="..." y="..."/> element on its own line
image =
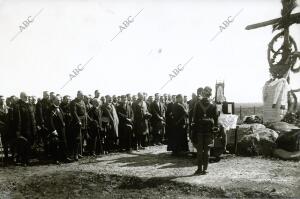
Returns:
<point x="178" y="137"/>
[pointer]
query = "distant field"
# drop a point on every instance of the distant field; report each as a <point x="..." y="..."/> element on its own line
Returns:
<point x="244" y="109"/>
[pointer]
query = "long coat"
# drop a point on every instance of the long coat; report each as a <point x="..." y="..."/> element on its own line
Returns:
<point x="57" y="123"/>
<point x="43" y="113"/>
<point x="141" y="116"/>
<point x="178" y="137"/>
<point x="158" y="115"/>
<point x="95" y="124"/>
<point x="110" y="114"/>
<point x="25" y="121"/>
<point x="78" y="115"/>
<point x="57" y="119"/>
<point x="125" y="113"/>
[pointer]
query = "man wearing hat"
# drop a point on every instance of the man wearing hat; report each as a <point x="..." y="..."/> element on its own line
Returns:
<point x="204" y="123"/>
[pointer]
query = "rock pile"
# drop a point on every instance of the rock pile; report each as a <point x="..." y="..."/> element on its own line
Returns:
<point x="279" y="139"/>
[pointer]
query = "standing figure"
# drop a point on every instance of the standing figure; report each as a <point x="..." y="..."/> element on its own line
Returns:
<point x="157" y="120"/>
<point x="170" y="120"/>
<point x="3" y="126"/>
<point x="125" y="114"/>
<point x="43" y="120"/>
<point x="11" y="127"/>
<point x="111" y="124"/>
<point x="78" y="123"/>
<point x="141" y="116"/>
<point x="205" y="122"/>
<point x="95" y="128"/>
<point x="97" y="97"/>
<point x="178" y="138"/>
<point x="57" y="137"/>
<point x="65" y="107"/>
<point x="25" y="120"/>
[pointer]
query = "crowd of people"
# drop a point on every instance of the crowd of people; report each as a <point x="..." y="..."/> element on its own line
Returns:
<point x="62" y="129"/>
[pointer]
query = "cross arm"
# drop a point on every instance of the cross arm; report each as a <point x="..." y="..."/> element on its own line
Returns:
<point x="295" y="18"/>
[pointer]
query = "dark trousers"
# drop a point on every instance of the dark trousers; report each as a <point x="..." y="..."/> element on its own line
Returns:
<point x="202" y="140"/>
<point x="125" y="135"/>
<point x="23" y="150"/>
<point x="111" y="141"/>
<point x="92" y="141"/>
<point x="62" y="144"/>
<point x="100" y="144"/>
<point x="4" y="142"/>
<point x="157" y="132"/>
<point x="43" y="137"/>
<point x="58" y="145"/>
<point x="76" y="141"/>
<point x="68" y="139"/>
<point x="139" y="140"/>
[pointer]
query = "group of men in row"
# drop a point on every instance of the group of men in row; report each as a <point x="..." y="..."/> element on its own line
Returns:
<point x="67" y="129"/>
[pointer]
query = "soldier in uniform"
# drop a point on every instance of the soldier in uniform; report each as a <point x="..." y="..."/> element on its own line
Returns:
<point x="204" y="123"/>
<point x="78" y="123"/>
<point x="193" y="101"/>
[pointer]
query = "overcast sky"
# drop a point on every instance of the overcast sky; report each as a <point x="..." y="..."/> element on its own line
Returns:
<point x="163" y="35"/>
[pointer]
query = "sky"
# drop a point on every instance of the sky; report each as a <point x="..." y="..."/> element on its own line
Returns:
<point x="162" y="35"/>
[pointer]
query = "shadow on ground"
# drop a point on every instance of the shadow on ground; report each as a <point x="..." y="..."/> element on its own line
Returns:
<point x="75" y="184"/>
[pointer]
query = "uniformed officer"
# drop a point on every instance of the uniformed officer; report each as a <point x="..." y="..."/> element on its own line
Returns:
<point x="78" y="123"/>
<point x="204" y="123"/>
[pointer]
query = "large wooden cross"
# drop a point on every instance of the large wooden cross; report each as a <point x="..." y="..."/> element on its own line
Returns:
<point x="288" y="50"/>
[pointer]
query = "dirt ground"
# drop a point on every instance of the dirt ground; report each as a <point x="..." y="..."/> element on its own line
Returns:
<point x="153" y="173"/>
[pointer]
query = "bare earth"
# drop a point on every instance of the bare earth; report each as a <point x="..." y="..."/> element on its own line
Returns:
<point x="153" y="173"/>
